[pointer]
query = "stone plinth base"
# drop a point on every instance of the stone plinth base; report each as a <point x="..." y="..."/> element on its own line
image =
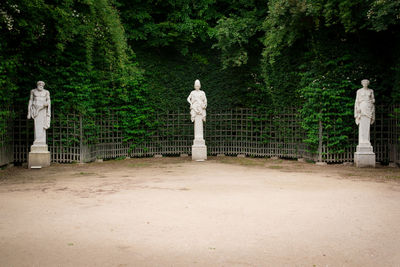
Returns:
<point x="39" y="156"/>
<point x="364" y="157"/>
<point x="199" y="153"/>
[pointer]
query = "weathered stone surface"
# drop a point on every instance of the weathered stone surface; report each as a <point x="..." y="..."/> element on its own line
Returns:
<point x="364" y="159"/>
<point x="39" y="109"/>
<point x="37" y="158"/>
<point x="364" y="114"/>
<point x="39" y="148"/>
<point x="199" y="153"/>
<point x="198" y="104"/>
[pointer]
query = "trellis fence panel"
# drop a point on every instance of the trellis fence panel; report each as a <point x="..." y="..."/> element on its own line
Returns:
<point x="394" y="149"/>
<point x="246" y="131"/>
<point x="63" y="138"/>
<point x="76" y="138"/>
<point x="6" y="144"/>
<point x="385" y="138"/>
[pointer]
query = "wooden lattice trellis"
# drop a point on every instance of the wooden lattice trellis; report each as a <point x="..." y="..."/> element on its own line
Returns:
<point x="74" y="138"/>
<point x="6" y="144"/>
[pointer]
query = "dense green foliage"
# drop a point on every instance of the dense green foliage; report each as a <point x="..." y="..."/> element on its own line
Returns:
<point x="139" y="57"/>
<point x="317" y="52"/>
<point x="78" y="48"/>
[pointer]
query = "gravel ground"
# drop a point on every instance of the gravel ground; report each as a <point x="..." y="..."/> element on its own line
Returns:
<point x="222" y="212"/>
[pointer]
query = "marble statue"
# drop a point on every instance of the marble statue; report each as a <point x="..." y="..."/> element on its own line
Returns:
<point x="198" y="104"/>
<point x="364" y="114"/>
<point x="39" y="109"/>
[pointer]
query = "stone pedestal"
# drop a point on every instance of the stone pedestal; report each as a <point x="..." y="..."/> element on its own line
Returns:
<point x="364" y="156"/>
<point x="39" y="156"/>
<point x="199" y="150"/>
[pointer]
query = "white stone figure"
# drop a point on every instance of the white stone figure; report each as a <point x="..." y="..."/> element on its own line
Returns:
<point x="39" y="109"/>
<point x="364" y="114"/>
<point x="198" y="104"/>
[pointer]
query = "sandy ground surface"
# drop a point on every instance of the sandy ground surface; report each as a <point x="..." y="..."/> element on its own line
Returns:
<point x="223" y="212"/>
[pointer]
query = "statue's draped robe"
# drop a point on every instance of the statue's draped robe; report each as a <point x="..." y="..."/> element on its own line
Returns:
<point x="198" y="105"/>
<point x="364" y="113"/>
<point x="41" y="115"/>
<point x="198" y="102"/>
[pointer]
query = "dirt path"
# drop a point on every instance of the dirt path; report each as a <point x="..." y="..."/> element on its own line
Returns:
<point x="223" y="212"/>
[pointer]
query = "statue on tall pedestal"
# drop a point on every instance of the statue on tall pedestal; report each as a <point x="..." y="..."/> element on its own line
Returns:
<point x="364" y="114"/>
<point x="39" y="109"/>
<point x="198" y="104"/>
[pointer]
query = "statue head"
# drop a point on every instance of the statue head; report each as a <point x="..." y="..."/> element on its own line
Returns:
<point x="40" y="85"/>
<point x="197" y="85"/>
<point x="365" y="83"/>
